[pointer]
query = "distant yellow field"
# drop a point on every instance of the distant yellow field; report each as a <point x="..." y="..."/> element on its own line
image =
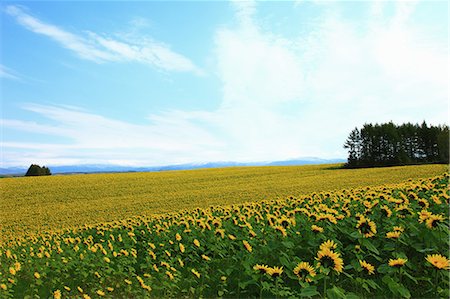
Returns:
<point x="33" y="204"/>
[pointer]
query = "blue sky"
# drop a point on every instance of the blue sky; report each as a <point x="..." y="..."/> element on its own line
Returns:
<point x="155" y="83"/>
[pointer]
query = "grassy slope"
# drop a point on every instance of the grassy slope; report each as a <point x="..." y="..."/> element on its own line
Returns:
<point x="43" y="203"/>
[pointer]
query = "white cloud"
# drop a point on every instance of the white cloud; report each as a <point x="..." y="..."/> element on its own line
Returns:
<point x="8" y="73"/>
<point x="87" y="135"/>
<point x="283" y="99"/>
<point x="99" y="48"/>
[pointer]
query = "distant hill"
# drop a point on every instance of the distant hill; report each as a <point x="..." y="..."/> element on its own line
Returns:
<point x="104" y="168"/>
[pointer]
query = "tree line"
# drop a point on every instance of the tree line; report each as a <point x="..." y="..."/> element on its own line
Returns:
<point x="389" y="144"/>
<point x="36" y="170"/>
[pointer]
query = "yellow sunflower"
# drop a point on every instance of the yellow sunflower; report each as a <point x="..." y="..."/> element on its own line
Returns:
<point x="316" y="229"/>
<point x="433" y="220"/>
<point x="423" y="203"/>
<point x="275" y="271"/>
<point x="329" y="258"/>
<point x="400" y="262"/>
<point x="366" y="227"/>
<point x="330" y="244"/>
<point x="99" y="292"/>
<point x="304" y="271"/>
<point x="369" y="268"/>
<point x="178" y="237"/>
<point x="170" y="275"/>
<point x="398" y="229"/>
<point x="439" y="261"/>
<point x="57" y="294"/>
<point x="261" y="268"/>
<point x="393" y="235"/>
<point x="195" y="272"/>
<point x="281" y="229"/>
<point x="424" y="215"/>
<point x="247" y="245"/>
<point x="403" y="211"/>
<point x="220" y="232"/>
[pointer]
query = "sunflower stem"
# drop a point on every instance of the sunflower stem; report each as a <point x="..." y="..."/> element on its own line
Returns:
<point x="436" y="280"/>
<point x="260" y="287"/>
<point x="276" y="287"/>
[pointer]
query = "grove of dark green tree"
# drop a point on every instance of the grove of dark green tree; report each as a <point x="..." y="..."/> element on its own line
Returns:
<point x="389" y="145"/>
<point x="36" y="170"/>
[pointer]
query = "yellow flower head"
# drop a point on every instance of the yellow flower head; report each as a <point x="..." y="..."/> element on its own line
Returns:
<point x="17" y="266"/>
<point x="328" y="258"/>
<point x="57" y="294"/>
<point x="205" y="257"/>
<point x="424" y="215"/>
<point x="330" y="244"/>
<point x="316" y="229"/>
<point x="195" y="272"/>
<point x="281" y="229"/>
<point x="433" y="220"/>
<point x="220" y="232"/>
<point x="304" y="271"/>
<point x="3" y="287"/>
<point x="423" y="203"/>
<point x="386" y="211"/>
<point x="261" y="268"/>
<point x="436" y="199"/>
<point x="37" y="275"/>
<point x="12" y="271"/>
<point x="275" y="271"/>
<point x="247" y="246"/>
<point x="127" y="281"/>
<point x="439" y="261"/>
<point x="369" y="268"/>
<point x="393" y="235"/>
<point x="196" y="243"/>
<point x="178" y="237"/>
<point x="398" y="229"/>
<point x="170" y="275"/>
<point x="366" y="227"/>
<point x="400" y="262"/>
<point x="182" y="249"/>
<point x="100" y="293"/>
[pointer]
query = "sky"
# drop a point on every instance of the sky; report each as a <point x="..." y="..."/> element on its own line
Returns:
<point x="157" y="83"/>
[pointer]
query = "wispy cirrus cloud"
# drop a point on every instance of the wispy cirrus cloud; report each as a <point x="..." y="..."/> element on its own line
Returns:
<point x="99" y="48"/>
<point x="8" y="73"/>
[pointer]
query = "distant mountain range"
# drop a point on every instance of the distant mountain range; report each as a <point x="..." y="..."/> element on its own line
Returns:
<point x="104" y="168"/>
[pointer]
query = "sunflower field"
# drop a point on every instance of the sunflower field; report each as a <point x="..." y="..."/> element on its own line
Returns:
<point x="387" y="241"/>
